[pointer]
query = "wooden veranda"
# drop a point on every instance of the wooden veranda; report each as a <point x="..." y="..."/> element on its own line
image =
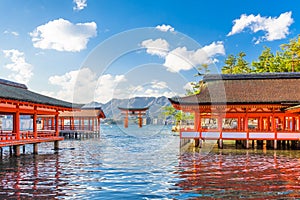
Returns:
<point x="19" y="105"/>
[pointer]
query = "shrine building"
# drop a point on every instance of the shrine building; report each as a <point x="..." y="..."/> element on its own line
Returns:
<point x="244" y="107"/>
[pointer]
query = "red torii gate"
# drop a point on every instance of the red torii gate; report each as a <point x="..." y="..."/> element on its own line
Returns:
<point x="133" y="111"/>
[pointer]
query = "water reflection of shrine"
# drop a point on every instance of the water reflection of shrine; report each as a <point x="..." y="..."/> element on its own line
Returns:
<point x="31" y="177"/>
<point x="236" y="174"/>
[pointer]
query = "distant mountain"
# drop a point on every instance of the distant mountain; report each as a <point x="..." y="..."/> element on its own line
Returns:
<point x="155" y="106"/>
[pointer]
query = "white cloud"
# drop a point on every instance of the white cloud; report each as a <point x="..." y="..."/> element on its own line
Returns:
<point x="14" y="33"/>
<point x="182" y="59"/>
<point x="62" y="35"/>
<point x="275" y="28"/>
<point x="108" y="87"/>
<point x="157" y="47"/>
<point x="79" y="4"/>
<point x="83" y="86"/>
<point x="159" y="84"/>
<point x="153" y="89"/>
<point x="188" y="86"/>
<point x="165" y="28"/>
<point x="81" y="78"/>
<point x="21" y="70"/>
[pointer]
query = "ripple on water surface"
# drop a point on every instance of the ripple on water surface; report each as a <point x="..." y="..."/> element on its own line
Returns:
<point x="147" y="165"/>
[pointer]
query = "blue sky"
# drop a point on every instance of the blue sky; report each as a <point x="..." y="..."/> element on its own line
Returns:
<point x="95" y="50"/>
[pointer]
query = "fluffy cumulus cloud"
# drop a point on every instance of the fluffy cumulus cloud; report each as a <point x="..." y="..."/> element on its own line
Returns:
<point x="275" y="28"/>
<point x="63" y="35"/>
<point x="83" y="86"/>
<point x="154" y="88"/>
<point x="159" y="47"/>
<point x="79" y="4"/>
<point x="109" y="86"/>
<point x="183" y="59"/>
<point x="165" y="28"/>
<point x="21" y="70"/>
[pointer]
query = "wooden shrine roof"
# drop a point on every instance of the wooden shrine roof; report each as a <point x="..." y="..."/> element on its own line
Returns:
<point x="274" y="88"/>
<point x="19" y="92"/>
<point x="98" y="113"/>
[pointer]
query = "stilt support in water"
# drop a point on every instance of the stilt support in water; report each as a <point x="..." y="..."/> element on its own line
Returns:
<point x="35" y="148"/>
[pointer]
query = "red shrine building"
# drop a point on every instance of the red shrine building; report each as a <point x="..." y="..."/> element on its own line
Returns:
<point x="244" y="107"/>
<point x="27" y="117"/>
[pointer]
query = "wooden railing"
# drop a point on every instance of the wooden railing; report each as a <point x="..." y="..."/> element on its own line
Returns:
<point x="6" y="136"/>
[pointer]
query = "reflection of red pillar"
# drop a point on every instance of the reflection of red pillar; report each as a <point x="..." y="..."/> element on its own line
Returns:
<point x="140" y="120"/>
<point x="126" y="120"/>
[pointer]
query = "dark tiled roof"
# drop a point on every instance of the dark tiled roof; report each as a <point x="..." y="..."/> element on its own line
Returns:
<point x="282" y="88"/>
<point x="15" y="91"/>
<point x="252" y="76"/>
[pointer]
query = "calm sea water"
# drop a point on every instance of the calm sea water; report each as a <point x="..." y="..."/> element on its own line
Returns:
<point x="147" y="164"/>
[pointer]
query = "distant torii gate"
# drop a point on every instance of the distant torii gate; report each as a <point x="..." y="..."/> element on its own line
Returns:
<point x="133" y="111"/>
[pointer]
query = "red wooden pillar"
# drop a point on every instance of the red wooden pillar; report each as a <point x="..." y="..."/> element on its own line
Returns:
<point x="52" y="123"/>
<point x="93" y="124"/>
<point x="56" y="123"/>
<point x="197" y="121"/>
<point x="140" y="120"/>
<point x="35" y="122"/>
<point x="62" y="123"/>
<point x="16" y="125"/>
<point x="126" y="120"/>
<point x="72" y="123"/>
<point x="247" y="128"/>
<point x="98" y="127"/>
<point x="293" y="124"/>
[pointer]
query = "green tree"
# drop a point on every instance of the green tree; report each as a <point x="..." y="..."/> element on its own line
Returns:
<point x="230" y="62"/>
<point x="178" y="115"/>
<point x="265" y="62"/>
<point x="200" y="85"/>
<point x="292" y="54"/>
<point x="236" y="64"/>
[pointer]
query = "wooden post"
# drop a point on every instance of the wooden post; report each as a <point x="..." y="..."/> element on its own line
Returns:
<point x="35" y="122"/>
<point x="56" y="145"/>
<point x="57" y="124"/>
<point x="35" y="148"/>
<point x="247" y="129"/>
<point x="126" y="120"/>
<point x="98" y="126"/>
<point x="17" y="150"/>
<point x="275" y="131"/>
<point x="93" y="124"/>
<point x="52" y="123"/>
<point x="16" y="125"/>
<point x="140" y="120"/>
<point x="197" y="121"/>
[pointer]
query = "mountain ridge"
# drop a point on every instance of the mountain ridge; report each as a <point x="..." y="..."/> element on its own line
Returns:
<point x="155" y="105"/>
